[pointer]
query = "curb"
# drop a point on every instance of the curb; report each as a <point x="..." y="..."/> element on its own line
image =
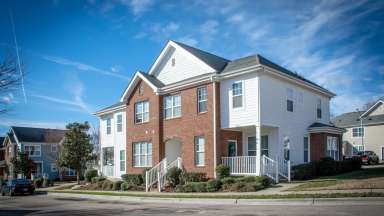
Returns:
<point x="210" y="201"/>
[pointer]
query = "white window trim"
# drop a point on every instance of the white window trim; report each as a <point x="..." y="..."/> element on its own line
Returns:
<point x="108" y="132"/>
<point x="139" y="155"/>
<point x="359" y="134"/>
<point x="242" y="98"/>
<point x="321" y="108"/>
<point x="205" y="100"/>
<point x="142" y="112"/>
<point x="196" y="152"/>
<point x="117" y="123"/>
<point x="334" y="139"/>
<point x="54" y="145"/>
<point x="289" y="98"/>
<point x="235" y="141"/>
<point x="248" y="145"/>
<point x="172" y="108"/>
<point x="125" y="159"/>
<point x="39" y="145"/>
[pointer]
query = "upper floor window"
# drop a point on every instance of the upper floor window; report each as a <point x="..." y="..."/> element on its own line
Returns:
<point x="358" y="132"/>
<point x="108" y="125"/>
<point x="142" y="112"/>
<point x="172" y="106"/>
<point x="33" y="150"/>
<point x="54" y="148"/>
<point x="202" y="99"/>
<point x="237" y="94"/>
<point x="289" y="100"/>
<point x="318" y="108"/>
<point x="119" y="123"/>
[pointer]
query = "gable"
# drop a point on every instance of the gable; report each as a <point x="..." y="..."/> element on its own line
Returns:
<point x="379" y="110"/>
<point x="138" y="78"/>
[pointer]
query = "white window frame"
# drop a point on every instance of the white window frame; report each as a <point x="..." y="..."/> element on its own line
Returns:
<point x="148" y="155"/>
<point x="333" y="147"/>
<point x="248" y="146"/>
<point x="34" y="145"/>
<point x="119" y="125"/>
<point x="69" y="172"/>
<point x="306" y="150"/>
<point x="172" y="107"/>
<point x="238" y="95"/>
<point x="54" y="147"/>
<point x="122" y="161"/>
<point x="319" y="107"/>
<point x="144" y="112"/>
<point x="359" y="132"/>
<point x="261" y="145"/>
<point x="290" y="97"/>
<point x="202" y="91"/>
<point x="54" y="167"/>
<point x="109" y="125"/>
<point x="199" y="150"/>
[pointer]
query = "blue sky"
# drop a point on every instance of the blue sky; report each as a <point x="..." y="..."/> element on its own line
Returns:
<point x="78" y="56"/>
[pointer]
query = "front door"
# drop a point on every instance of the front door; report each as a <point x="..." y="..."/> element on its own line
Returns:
<point x="232" y="148"/>
<point x="172" y="150"/>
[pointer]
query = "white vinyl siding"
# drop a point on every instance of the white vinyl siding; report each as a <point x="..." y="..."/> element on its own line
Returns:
<point x="202" y="99"/>
<point x="142" y="154"/>
<point x="172" y="106"/>
<point x="199" y="151"/>
<point x="141" y="112"/>
<point x="237" y="94"/>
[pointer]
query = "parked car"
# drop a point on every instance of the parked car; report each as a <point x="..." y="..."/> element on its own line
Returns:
<point x="17" y="186"/>
<point x="369" y="157"/>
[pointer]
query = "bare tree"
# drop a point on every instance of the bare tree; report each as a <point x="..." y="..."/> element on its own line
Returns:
<point x="10" y="80"/>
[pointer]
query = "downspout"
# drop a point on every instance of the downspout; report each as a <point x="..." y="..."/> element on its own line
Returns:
<point x="214" y="127"/>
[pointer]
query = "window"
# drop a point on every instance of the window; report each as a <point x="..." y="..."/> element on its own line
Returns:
<point x="141" y="89"/>
<point x="358" y="148"/>
<point x="318" y="108"/>
<point x="202" y="99"/>
<point x="333" y="147"/>
<point x="108" y="156"/>
<point x="252" y="146"/>
<point x="54" y="148"/>
<point x="32" y="150"/>
<point x="289" y="100"/>
<point x="119" y="123"/>
<point x="173" y="62"/>
<point x="108" y="125"/>
<point x="237" y="94"/>
<point x="53" y="167"/>
<point x="142" y="154"/>
<point x="172" y="106"/>
<point x="69" y="172"/>
<point x="358" y="132"/>
<point x="264" y="145"/>
<point x="306" y="149"/>
<point x="199" y="151"/>
<point x="141" y="112"/>
<point x="122" y="160"/>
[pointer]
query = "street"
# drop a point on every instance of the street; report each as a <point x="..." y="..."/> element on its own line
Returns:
<point x="48" y="205"/>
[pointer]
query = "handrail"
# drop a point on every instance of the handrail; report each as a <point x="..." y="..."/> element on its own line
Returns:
<point x="158" y="173"/>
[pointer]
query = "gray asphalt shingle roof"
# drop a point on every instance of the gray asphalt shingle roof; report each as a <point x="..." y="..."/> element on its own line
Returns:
<point x="352" y="119"/>
<point x="28" y="134"/>
<point x="153" y="80"/>
<point x="112" y="106"/>
<point x="318" y="124"/>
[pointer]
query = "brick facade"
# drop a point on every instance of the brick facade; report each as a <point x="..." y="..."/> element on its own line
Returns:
<point x="226" y="135"/>
<point x="318" y="145"/>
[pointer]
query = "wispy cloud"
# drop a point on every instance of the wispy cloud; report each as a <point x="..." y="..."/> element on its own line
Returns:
<point x="82" y="66"/>
<point x="30" y="123"/>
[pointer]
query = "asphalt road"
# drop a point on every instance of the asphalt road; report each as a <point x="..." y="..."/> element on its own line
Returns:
<point x="47" y="205"/>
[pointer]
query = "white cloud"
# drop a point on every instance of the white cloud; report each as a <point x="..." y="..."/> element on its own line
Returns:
<point x="7" y="99"/>
<point x="188" y="40"/>
<point x="138" y="6"/>
<point x="30" y="123"/>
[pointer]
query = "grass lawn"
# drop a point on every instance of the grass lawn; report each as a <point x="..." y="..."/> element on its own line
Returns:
<point x="367" y="178"/>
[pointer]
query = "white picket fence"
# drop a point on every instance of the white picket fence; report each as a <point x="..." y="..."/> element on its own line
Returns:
<point x="240" y="165"/>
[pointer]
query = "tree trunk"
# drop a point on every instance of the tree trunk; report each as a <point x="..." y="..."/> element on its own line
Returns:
<point x="78" y="176"/>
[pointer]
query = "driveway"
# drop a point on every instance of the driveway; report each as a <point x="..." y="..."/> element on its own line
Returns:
<point x="48" y="205"/>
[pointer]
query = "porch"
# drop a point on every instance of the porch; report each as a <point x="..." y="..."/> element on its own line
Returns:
<point x="255" y="151"/>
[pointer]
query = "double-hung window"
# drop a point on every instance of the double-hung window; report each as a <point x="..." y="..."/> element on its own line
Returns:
<point x="264" y="145"/>
<point x="108" y="125"/>
<point x="142" y="154"/>
<point x="172" y="106"/>
<point x="333" y="147"/>
<point x="318" y="109"/>
<point x="252" y="146"/>
<point x="202" y="99"/>
<point x="54" y="148"/>
<point x="122" y="160"/>
<point x="289" y="100"/>
<point x="306" y="148"/>
<point x="237" y="94"/>
<point x="358" y="132"/>
<point x="33" y="150"/>
<point x="119" y="123"/>
<point x="141" y="112"/>
<point x="199" y="151"/>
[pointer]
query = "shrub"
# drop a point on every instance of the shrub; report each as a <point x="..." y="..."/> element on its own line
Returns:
<point x="46" y="182"/>
<point x="304" y="171"/>
<point x="107" y="185"/>
<point x="241" y="186"/>
<point x="222" y="171"/>
<point x="192" y="187"/>
<point x="227" y="182"/>
<point x="247" y="179"/>
<point x="38" y="182"/>
<point x="186" y="177"/>
<point x="143" y="173"/>
<point x="94" y="179"/>
<point x="327" y="166"/>
<point x="173" y="176"/>
<point x="98" y="179"/>
<point x="213" y="185"/>
<point x="116" y="185"/>
<point x="99" y="184"/>
<point x="89" y="174"/>
<point x="124" y="186"/>
<point x="263" y="180"/>
<point x="1" y="182"/>
<point x="133" y="179"/>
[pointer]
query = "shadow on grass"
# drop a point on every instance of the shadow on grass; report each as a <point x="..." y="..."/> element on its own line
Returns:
<point x="360" y="174"/>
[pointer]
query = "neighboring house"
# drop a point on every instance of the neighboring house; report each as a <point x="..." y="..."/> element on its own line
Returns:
<point x="364" y="130"/>
<point x="2" y="158"/>
<point x="249" y="114"/>
<point x="42" y="146"/>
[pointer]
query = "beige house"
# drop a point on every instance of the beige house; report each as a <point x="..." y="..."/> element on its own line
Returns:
<point x="364" y="130"/>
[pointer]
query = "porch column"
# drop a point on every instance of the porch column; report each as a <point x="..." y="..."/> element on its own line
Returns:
<point x="258" y="150"/>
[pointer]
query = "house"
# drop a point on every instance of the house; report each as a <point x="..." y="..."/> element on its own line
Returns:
<point x="2" y="158"/>
<point x="199" y="110"/>
<point x="364" y="130"/>
<point x="42" y="146"/>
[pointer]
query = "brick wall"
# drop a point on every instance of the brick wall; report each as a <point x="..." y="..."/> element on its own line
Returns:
<point x="318" y="145"/>
<point x="226" y="135"/>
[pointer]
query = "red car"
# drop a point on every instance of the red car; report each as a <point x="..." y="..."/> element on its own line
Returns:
<point x="369" y="157"/>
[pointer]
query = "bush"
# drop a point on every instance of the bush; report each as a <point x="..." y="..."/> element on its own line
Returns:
<point x="173" y="176"/>
<point x="46" y="182"/>
<point x="107" y="185"/>
<point x="242" y="186"/>
<point x="98" y="179"/>
<point x="227" y="182"/>
<point x="263" y="180"/>
<point x="38" y="182"/>
<point x="222" y="171"/>
<point x="133" y="179"/>
<point x="192" y="187"/>
<point x="89" y="174"/>
<point x="124" y="186"/>
<point x="186" y="177"/>
<point x="116" y="185"/>
<point x="213" y="185"/>
<point x="327" y="166"/>
<point x="99" y="184"/>
<point x="143" y="173"/>
<point x="304" y="171"/>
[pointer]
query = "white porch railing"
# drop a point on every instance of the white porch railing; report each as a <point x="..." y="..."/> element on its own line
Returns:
<point x="284" y="168"/>
<point x="240" y="165"/>
<point x="159" y="172"/>
<point x="275" y="169"/>
<point x="108" y="170"/>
